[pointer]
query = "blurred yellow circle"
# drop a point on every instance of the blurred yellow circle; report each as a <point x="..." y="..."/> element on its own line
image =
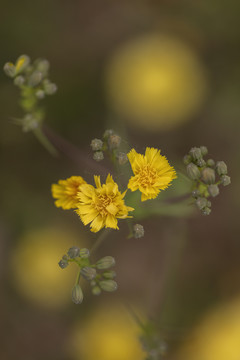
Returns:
<point x="109" y="334"/>
<point x="156" y="82"/>
<point x="35" y="269"/>
<point x="217" y="337"/>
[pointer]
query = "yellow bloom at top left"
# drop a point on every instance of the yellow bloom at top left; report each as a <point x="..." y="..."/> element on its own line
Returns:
<point x="66" y="192"/>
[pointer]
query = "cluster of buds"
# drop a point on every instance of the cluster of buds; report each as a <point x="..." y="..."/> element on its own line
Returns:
<point x="99" y="275"/>
<point x="109" y="143"/>
<point x="207" y="176"/>
<point x="34" y="84"/>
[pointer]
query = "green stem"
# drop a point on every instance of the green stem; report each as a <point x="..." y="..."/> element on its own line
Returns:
<point x="78" y="276"/>
<point x="45" y="142"/>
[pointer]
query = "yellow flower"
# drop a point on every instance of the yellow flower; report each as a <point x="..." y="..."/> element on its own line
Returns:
<point x="66" y="192"/>
<point x="103" y="205"/>
<point x="152" y="173"/>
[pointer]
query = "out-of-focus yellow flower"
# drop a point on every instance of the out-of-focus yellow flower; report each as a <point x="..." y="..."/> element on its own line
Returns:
<point x="217" y="337"/>
<point x="35" y="269"/>
<point x="156" y="82"/>
<point x="152" y="173"/>
<point x="110" y="334"/>
<point x="103" y="205"/>
<point x="66" y="192"/>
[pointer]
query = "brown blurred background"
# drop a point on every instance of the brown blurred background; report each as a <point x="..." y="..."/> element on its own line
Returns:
<point x="106" y="58"/>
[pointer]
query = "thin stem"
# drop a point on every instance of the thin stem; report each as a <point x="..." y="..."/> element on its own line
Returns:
<point x="45" y="142"/>
<point x="78" y="277"/>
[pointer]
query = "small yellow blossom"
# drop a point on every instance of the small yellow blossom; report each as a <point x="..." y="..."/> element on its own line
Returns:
<point x="152" y="173"/>
<point x="103" y="205"/>
<point x="66" y="192"/>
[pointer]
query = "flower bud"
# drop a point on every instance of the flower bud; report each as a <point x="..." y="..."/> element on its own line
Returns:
<point x="73" y="252"/>
<point x="107" y="133"/>
<point x="93" y="283"/>
<point x="84" y="253"/>
<point x="122" y="158"/>
<point x="187" y="159"/>
<point x="19" y="80"/>
<point x="63" y="263"/>
<point x="96" y="290"/>
<point x="195" y="153"/>
<point x="201" y="203"/>
<point x="208" y="175"/>
<point x="138" y="231"/>
<point x="201" y="162"/>
<point x="213" y="190"/>
<point x="77" y="294"/>
<point x="35" y="78"/>
<point x="193" y="171"/>
<point x="22" y="63"/>
<point x="225" y="180"/>
<point x="105" y="263"/>
<point x="43" y="66"/>
<point x="88" y="273"/>
<point x="98" y="156"/>
<point x="221" y="168"/>
<point x="96" y="144"/>
<point x="9" y="69"/>
<point x="210" y="163"/>
<point x="204" y="150"/>
<point x="40" y="94"/>
<point x="114" y="141"/>
<point x="195" y="193"/>
<point x="206" y="211"/>
<point x="50" y="88"/>
<point x="108" y="285"/>
<point x="29" y="123"/>
<point x="109" y="274"/>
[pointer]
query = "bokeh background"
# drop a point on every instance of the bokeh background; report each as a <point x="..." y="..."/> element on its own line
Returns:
<point x="163" y="74"/>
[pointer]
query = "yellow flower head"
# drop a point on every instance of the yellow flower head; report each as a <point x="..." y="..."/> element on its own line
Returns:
<point x="152" y="173"/>
<point x="66" y="192"/>
<point x="103" y="205"/>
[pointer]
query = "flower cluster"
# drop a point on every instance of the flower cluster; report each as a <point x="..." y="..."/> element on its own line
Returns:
<point x="98" y="275"/>
<point x="101" y="206"/>
<point x="206" y="175"/>
<point x="34" y="84"/>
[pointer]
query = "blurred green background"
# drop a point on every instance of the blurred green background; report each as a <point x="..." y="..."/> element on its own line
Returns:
<point x="106" y="58"/>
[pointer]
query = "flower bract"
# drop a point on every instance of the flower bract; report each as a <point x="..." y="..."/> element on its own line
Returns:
<point x="103" y="205"/>
<point x="152" y="173"/>
<point x="66" y="192"/>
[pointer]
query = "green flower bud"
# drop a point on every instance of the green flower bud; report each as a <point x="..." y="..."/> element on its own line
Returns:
<point x="221" y="168"/>
<point x="96" y="290"/>
<point x="201" y="203"/>
<point x="109" y="274"/>
<point x="22" y="63"/>
<point x="195" y="153"/>
<point x="138" y="231"/>
<point x="204" y="150"/>
<point x="96" y="144"/>
<point x="84" y="253"/>
<point x="93" y="283"/>
<point x="98" y="156"/>
<point x="77" y="294"/>
<point x="225" y="180"/>
<point x="209" y="204"/>
<point x="40" y="94"/>
<point x="195" y="193"/>
<point x="88" y="273"/>
<point x="35" y="78"/>
<point x="29" y="123"/>
<point x="9" y="69"/>
<point x="73" y="252"/>
<point x="107" y="133"/>
<point x="19" y="80"/>
<point x="50" y="88"/>
<point x="187" y="159"/>
<point x="208" y="175"/>
<point x="213" y="190"/>
<point x="210" y="163"/>
<point x="193" y="171"/>
<point x="108" y="285"/>
<point x="122" y="158"/>
<point x="43" y="66"/>
<point x="63" y="263"/>
<point x="114" y="141"/>
<point x="201" y="162"/>
<point x="206" y="211"/>
<point x="105" y="263"/>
